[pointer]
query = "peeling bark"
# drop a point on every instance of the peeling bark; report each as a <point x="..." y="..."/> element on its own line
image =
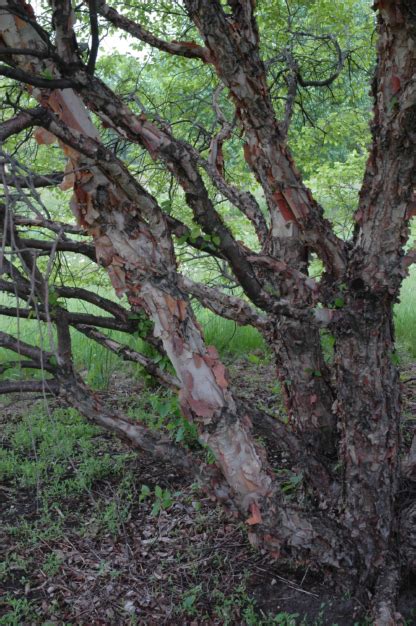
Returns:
<point x="354" y="526"/>
<point x="369" y="409"/>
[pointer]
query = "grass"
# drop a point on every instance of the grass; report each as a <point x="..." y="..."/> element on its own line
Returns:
<point x="98" y="363"/>
<point x="405" y="316"/>
<point x="227" y="337"/>
<point x="53" y="453"/>
<point x="230" y="340"/>
<point x="59" y="459"/>
<point x="70" y="502"/>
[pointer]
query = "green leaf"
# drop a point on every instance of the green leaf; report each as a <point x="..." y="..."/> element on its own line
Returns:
<point x="166" y="205"/>
<point x="339" y="303"/>
<point x="133" y="316"/>
<point x="144" y="493"/>
<point x="180" y="434"/>
<point x="47" y="74"/>
<point x="395" y="359"/>
<point x="156" y="508"/>
<point x="53" y="297"/>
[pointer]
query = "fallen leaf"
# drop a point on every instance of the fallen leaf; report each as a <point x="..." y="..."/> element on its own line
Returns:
<point x="255" y="517"/>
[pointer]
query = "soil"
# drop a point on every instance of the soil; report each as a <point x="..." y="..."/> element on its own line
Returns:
<point x="188" y="564"/>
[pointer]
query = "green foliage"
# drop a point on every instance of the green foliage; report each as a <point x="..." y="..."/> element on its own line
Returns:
<point x="163" y="500"/>
<point x="405" y="316"/>
<point x="55" y="454"/>
<point x="20" y="611"/>
<point x="241" y="604"/>
<point x="51" y="564"/>
<point x="161" y="411"/>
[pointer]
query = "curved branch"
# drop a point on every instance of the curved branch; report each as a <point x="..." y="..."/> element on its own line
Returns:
<point x="341" y="56"/>
<point x="187" y="49"/>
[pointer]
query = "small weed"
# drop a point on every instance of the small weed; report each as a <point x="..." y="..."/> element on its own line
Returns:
<point x="240" y="605"/>
<point x="51" y="564"/>
<point x="190" y="599"/>
<point x="20" y="611"/>
<point x="162" y="411"/>
<point x="117" y="511"/>
<point x="163" y="500"/>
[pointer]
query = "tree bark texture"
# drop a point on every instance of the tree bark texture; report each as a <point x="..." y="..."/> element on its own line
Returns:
<point x="344" y="422"/>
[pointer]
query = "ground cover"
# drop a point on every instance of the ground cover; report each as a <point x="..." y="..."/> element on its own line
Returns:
<point x="93" y="533"/>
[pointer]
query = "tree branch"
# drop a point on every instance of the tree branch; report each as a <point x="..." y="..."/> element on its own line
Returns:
<point x="128" y="354"/>
<point x="14" y="344"/>
<point x="109" y="323"/>
<point x="24" y="364"/>
<point x="36" y="81"/>
<point x="30" y="386"/>
<point x="16" y="124"/>
<point x="229" y="307"/>
<point x="33" y="181"/>
<point x="341" y="56"/>
<point x="94" y="36"/>
<point x="187" y="49"/>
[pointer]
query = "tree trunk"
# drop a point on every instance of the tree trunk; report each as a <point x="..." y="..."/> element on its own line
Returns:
<point x="368" y="406"/>
<point x="132" y="240"/>
<point x="305" y="381"/>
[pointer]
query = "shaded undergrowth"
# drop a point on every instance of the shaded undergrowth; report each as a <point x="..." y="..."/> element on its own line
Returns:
<point x="92" y="533"/>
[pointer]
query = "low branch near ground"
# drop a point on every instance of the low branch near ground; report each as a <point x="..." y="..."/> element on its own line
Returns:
<point x="76" y="394"/>
<point x="23" y="364"/>
<point x="128" y="354"/>
<point x="49" y="386"/>
<point x="73" y="318"/>
<point x="22" y="348"/>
